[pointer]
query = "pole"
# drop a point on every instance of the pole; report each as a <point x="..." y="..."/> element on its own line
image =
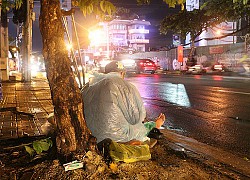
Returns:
<point x="27" y="45"/>
<point x="247" y="43"/>
<point x="233" y="31"/>
<point x="4" y="46"/>
<point x="108" y="41"/>
<point x="17" y="45"/>
<point x="79" y="50"/>
<point x="72" y="54"/>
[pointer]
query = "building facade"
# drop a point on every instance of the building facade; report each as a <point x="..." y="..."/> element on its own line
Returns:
<point x="119" y="36"/>
<point x="137" y="34"/>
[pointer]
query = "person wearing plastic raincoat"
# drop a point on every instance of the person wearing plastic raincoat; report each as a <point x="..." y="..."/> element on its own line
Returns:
<point x="114" y="109"/>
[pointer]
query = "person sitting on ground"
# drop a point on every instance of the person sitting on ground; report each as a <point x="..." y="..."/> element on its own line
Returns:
<point x="114" y="109"/>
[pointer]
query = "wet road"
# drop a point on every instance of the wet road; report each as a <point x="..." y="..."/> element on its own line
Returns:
<point x="211" y="109"/>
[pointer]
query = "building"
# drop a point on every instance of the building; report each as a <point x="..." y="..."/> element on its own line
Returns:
<point x="219" y="30"/>
<point x="119" y="36"/>
<point x="137" y="34"/>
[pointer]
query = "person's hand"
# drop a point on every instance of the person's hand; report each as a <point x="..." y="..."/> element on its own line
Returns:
<point x="160" y="120"/>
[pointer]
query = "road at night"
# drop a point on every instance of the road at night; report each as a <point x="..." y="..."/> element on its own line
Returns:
<point x="211" y="109"/>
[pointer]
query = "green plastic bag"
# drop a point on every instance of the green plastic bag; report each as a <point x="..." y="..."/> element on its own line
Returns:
<point x="129" y="153"/>
<point x="149" y="126"/>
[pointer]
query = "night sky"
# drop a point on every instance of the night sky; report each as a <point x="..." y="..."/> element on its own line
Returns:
<point x="153" y="13"/>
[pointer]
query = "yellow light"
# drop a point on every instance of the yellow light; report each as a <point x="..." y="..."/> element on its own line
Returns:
<point x="96" y="37"/>
<point x="68" y="46"/>
<point x="32" y="59"/>
<point x="218" y="32"/>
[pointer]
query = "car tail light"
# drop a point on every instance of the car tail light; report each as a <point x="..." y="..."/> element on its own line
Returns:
<point x="141" y="63"/>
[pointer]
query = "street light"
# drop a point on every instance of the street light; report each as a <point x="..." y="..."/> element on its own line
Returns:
<point x="218" y="32"/>
<point x="96" y="37"/>
<point x="69" y="46"/>
<point x="100" y="38"/>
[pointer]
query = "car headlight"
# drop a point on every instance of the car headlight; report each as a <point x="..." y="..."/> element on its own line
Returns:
<point x="128" y="62"/>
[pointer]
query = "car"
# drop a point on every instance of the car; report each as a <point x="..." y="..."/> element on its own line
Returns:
<point x="196" y="69"/>
<point x="218" y="68"/>
<point x="139" y="65"/>
<point x="129" y="64"/>
<point x="146" y="65"/>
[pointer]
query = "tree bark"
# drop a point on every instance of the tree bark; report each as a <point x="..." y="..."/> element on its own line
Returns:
<point x="72" y="133"/>
<point x="191" y="61"/>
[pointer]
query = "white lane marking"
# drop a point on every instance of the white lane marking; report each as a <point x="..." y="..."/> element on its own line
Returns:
<point x="234" y="92"/>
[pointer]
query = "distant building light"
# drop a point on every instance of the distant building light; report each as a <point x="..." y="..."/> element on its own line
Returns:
<point x="218" y="32"/>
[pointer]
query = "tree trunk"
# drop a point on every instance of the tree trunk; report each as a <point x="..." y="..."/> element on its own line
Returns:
<point x="191" y="61"/>
<point x="72" y="133"/>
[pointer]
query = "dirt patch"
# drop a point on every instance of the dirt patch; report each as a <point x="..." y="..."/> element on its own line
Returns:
<point x="15" y="163"/>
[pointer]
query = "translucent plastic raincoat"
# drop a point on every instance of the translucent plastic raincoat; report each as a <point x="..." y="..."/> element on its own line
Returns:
<point x="113" y="109"/>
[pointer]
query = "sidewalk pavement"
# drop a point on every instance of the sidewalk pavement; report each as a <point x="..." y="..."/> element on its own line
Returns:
<point x="26" y="106"/>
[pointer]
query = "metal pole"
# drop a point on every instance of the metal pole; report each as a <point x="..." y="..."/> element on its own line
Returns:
<point x="72" y="54"/>
<point x="233" y="31"/>
<point x="18" y="64"/>
<point x="108" y="40"/>
<point x="79" y="50"/>
<point x="247" y="36"/>
<point x="26" y="70"/>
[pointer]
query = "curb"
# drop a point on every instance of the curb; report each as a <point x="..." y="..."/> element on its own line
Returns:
<point x="210" y="155"/>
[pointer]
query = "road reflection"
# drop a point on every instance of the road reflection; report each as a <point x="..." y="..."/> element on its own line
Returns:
<point x="173" y="93"/>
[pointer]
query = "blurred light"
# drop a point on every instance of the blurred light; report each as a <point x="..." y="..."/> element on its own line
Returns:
<point x="96" y="37"/>
<point x="218" y="32"/>
<point x="217" y="78"/>
<point x="218" y="67"/>
<point x="14" y="49"/>
<point x="103" y="63"/>
<point x="197" y="76"/>
<point x="32" y="59"/>
<point x="68" y="46"/>
<point x="128" y="62"/>
<point x="34" y="69"/>
<point x="97" y="53"/>
<point x="86" y="58"/>
<point x="79" y="68"/>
